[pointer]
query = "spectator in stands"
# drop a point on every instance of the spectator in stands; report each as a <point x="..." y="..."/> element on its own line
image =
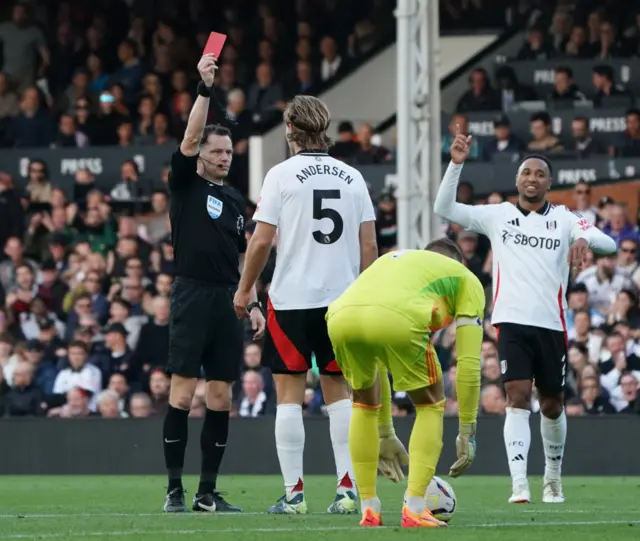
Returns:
<point x="582" y="202"/>
<point x="159" y="391"/>
<point x="25" y="55"/>
<point x="346" y="145"/>
<point x="108" y="120"/>
<point x="140" y="406"/>
<point x="543" y="138"/>
<point x="581" y="141"/>
<point x="565" y="88"/>
<point x="459" y="121"/>
<point x="25" y="398"/>
<point x="629" y="144"/>
<point x="511" y="91"/>
<point x="618" y="226"/>
<point x="481" y="96"/>
<point x="11" y="215"/>
<point x="303" y="83"/>
<point x="153" y="345"/>
<point x="331" y="64"/>
<point x="604" y="281"/>
<point x="131" y="71"/>
<point x="39" y="188"/>
<point x="605" y="86"/>
<point x="8" y="99"/>
<point x="615" y="361"/>
<point x="593" y="400"/>
<point x="14" y="250"/>
<point x="503" y="141"/>
<point x="254" y="400"/>
<point x="44" y="370"/>
<point x="121" y="358"/>
<point x="109" y="405"/>
<point x="387" y="222"/>
<point x="68" y="134"/>
<point x="577" y="46"/>
<point x="560" y="29"/>
<point x="578" y="299"/>
<point x="131" y="186"/>
<point x="608" y="47"/>
<point x="367" y="152"/>
<point x="32" y="126"/>
<point x="536" y="47"/>
<point x="265" y="95"/>
<point x="79" y="374"/>
<point x="628" y="259"/>
<point x="629" y="393"/>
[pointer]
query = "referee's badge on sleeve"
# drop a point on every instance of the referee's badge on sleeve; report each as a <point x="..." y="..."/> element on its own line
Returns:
<point x="214" y="207"/>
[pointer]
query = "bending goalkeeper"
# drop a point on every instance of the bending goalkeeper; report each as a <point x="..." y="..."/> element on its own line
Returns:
<point x="384" y="321"/>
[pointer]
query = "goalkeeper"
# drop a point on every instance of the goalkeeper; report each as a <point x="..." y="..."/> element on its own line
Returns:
<point x="384" y="321"/>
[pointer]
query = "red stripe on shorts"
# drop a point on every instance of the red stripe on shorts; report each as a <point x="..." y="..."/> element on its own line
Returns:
<point x="292" y="358"/>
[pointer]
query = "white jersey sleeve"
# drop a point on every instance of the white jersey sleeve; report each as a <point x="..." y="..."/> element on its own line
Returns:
<point x="581" y="228"/>
<point x="479" y="219"/>
<point x="269" y="204"/>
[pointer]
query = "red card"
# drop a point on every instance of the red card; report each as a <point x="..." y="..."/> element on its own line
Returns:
<point x="214" y="44"/>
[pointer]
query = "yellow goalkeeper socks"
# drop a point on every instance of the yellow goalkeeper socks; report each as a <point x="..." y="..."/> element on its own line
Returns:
<point x="364" y="445"/>
<point x="425" y="447"/>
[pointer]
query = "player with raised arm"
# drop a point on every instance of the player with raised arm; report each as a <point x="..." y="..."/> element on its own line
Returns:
<point x="534" y="246"/>
<point x="386" y="318"/>
<point x="325" y="220"/>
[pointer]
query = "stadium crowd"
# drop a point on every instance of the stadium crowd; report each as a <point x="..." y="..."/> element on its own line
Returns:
<point x="85" y="276"/>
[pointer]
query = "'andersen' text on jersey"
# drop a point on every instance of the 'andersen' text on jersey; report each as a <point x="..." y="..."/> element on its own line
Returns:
<point x="317" y="203"/>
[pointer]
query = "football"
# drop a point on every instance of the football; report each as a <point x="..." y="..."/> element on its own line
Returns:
<point x="440" y="499"/>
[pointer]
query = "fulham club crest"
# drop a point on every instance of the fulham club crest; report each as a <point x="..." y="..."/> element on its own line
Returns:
<point x="551" y="226"/>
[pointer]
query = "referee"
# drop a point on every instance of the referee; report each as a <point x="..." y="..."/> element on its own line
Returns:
<point x="207" y="224"/>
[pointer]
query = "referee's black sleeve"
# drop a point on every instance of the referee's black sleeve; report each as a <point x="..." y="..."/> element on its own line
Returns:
<point x="183" y="170"/>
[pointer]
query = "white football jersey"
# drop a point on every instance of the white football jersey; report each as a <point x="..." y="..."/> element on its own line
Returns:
<point x="530" y="253"/>
<point x="317" y="204"/>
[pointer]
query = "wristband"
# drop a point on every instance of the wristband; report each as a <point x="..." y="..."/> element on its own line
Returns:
<point x="254" y="305"/>
<point x="204" y="90"/>
<point x="386" y="431"/>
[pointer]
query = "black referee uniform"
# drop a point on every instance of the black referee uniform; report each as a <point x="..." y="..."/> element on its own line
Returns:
<point x="207" y="224"/>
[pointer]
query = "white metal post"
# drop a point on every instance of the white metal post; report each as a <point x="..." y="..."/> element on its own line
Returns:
<point x="418" y="120"/>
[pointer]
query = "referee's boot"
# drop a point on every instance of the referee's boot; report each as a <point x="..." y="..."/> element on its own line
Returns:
<point x="213" y="502"/>
<point x="174" y="502"/>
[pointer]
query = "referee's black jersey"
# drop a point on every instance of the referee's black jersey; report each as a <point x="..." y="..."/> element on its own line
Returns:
<point x="207" y="225"/>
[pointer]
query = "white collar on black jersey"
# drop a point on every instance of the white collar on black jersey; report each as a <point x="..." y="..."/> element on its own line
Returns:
<point x="543" y="210"/>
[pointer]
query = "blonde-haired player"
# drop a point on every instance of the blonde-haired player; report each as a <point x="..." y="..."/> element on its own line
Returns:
<point x="385" y="319"/>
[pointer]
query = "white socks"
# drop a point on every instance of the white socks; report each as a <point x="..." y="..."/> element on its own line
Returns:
<point x="339" y="419"/>
<point x="290" y="446"/>
<point x="554" y="435"/>
<point x="517" y="440"/>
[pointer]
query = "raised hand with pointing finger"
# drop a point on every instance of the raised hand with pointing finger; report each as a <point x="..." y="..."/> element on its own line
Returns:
<point x="460" y="147"/>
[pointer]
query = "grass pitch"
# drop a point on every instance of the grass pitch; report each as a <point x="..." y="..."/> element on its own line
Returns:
<point x="128" y="508"/>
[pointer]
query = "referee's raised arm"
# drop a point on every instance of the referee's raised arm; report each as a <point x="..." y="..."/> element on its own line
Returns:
<point x="190" y="145"/>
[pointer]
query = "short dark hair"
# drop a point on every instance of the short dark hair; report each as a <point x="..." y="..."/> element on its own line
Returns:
<point x="537" y="157"/>
<point x="214" y="129"/>
<point x="541" y="116"/>
<point x="566" y="70"/>
<point x="79" y="344"/>
<point x="446" y="246"/>
<point x="583" y="119"/>
<point x="604" y="71"/>
<point x="632" y="111"/>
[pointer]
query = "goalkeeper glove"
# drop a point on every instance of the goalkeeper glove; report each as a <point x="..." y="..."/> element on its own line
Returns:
<point x="465" y="448"/>
<point x="393" y="455"/>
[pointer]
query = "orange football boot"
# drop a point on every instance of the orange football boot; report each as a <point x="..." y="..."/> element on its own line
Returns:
<point x="371" y="519"/>
<point x="424" y="520"/>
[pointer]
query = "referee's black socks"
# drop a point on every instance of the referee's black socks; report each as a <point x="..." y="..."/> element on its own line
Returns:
<point x="213" y="442"/>
<point x="175" y="434"/>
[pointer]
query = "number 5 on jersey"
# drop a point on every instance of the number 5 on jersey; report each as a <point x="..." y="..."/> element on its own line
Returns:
<point x="320" y="212"/>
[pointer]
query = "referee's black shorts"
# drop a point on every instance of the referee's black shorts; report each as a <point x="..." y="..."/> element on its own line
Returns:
<point x="205" y="336"/>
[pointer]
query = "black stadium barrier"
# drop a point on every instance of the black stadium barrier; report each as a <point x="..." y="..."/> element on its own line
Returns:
<point x="596" y="446"/>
